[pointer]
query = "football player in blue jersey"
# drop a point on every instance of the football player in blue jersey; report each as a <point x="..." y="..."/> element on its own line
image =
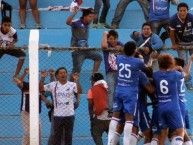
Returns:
<point x="169" y="114"/>
<point x="126" y="93"/>
<point x="182" y="99"/>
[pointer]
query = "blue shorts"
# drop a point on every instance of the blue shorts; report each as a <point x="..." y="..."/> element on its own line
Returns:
<point x="185" y="115"/>
<point x="144" y="121"/>
<point x="170" y="117"/>
<point x="126" y="102"/>
<point x="187" y="121"/>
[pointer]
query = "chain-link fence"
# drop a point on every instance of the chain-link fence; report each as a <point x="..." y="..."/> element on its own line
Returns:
<point x="11" y="127"/>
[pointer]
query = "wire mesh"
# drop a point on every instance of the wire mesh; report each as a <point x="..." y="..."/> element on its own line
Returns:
<point x="11" y="127"/>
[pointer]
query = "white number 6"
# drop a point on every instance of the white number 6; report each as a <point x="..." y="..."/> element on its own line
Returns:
<point x="163" y="86"/>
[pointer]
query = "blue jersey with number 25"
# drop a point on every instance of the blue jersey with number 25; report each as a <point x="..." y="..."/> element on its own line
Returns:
<point x="128" y="71"/>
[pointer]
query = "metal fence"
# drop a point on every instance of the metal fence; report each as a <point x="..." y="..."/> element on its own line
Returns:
<point x="11" y="129"/>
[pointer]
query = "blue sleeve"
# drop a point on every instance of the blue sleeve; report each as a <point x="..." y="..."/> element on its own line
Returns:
<point x="156" y="42"/>
<point x="143" y="80"/>
<point x="138" y="40"/>
<point x="133" y="37"/>
<point x="179" y="75"/>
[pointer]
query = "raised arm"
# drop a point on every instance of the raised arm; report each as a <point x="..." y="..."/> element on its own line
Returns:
<point x="43" y="76"/>
<point x="76" y="80"/>
<point x="70" y="18"/>
<point x="188" y="68"/>
<point x="52" y="75"/>
<point x="25" y="72"/>
<point x="19" y="81"/>
<point x="104" y="44"/>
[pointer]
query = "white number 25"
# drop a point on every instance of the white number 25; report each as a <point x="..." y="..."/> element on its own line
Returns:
<point x="126" y="68"/>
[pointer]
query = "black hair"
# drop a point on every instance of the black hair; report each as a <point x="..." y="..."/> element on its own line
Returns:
<point x="57" y="71"/>
<point x="129" y="48"/>
<point x="182" y="5"/>
<point x="113" y="33"/>
<point x="6" y="19"/>
<point x="146" y="24"/>
<point x="86" y="12"/>
<point x="97" y="77"/>
<point x="179" y="62"/>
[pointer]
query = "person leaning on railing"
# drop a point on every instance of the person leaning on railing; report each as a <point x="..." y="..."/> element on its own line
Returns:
<point x="110" y="40"/>
<point x="147" y="42"/>
<point x="8" y="38"/>
<point x="181" y="27"/>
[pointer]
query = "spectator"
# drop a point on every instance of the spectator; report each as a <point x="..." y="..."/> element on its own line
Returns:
<point x="80" y="32"/>
<point x="51" y="112"/>
<point x="25" y="116"/>
<point x="35" y="12"/>
<point x="110" y="40"/>
<point x="121" y="7"/>
<point x="8" y="38"/>
<point x="159" y="17"/>
<point x="147" y="41"/>
<point x="63" y="93"/>
<point x="181" y="27"/>
<point x="97" y="106"/>
<point x="102" y="20"/>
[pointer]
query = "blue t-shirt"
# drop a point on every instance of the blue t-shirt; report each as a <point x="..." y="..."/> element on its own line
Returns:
<point x="177" y="24"/>
<point x="166" y="87"/>
<point x="159" y="10"/>
<point x="128" y="72"/>
<point x="80" y="33"/>
<point x="106" y="56"/>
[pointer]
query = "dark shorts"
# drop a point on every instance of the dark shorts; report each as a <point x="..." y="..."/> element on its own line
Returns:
<point x="13" y="52"/>
<point x="78" y="58"/>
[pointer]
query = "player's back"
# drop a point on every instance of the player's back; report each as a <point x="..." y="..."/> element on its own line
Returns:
<point x="128" y="72"/>
<point x="166" y="87"/>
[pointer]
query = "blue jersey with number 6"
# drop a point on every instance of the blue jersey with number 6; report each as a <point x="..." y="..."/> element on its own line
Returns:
<point x="128" y="71"/>
<point x="168" y="102"/>
<point x="167" y="86"/>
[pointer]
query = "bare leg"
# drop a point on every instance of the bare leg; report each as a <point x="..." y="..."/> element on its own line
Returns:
<point x="148" y="136"/>
<point x="35" y="12"/>
<point x="186" y="137"/>
<point x="22" y="10"/>
<point x="96" y="66"/>
<point x="163" y="136"/>
<point x="19" y="66"/>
